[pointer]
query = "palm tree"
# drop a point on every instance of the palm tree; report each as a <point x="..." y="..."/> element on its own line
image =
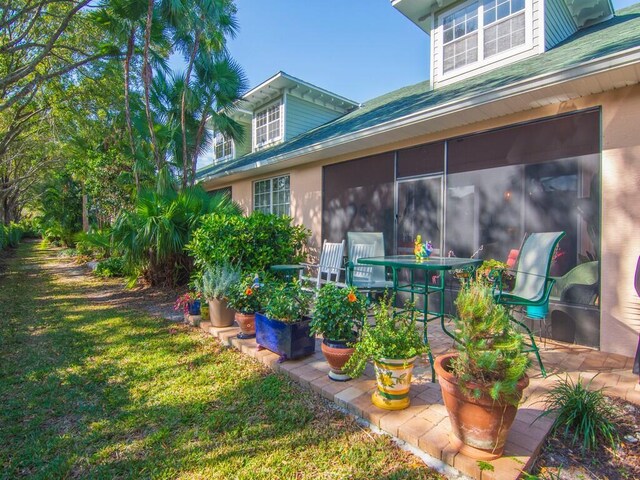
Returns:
<point x="126" y="20"/>
<point x="203" y="34"/>
<point x="152" y="237"/>
<point x="220" y="84"/>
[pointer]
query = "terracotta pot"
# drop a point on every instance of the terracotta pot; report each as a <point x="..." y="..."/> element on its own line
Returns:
<point x="247" y="324"/>
<point x="220" y="314"/>
<point x="337" y="354"/>
<point x="479" y="425"/>
<point x="394" y="381"/>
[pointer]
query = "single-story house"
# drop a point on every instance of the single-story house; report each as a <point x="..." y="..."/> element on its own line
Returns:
<point x="531" y="122"/>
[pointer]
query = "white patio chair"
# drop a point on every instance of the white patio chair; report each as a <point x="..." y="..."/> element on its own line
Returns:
<point x="328" y="268"/>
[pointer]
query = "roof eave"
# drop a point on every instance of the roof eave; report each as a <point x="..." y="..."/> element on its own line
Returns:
<point x="436" y="114"/>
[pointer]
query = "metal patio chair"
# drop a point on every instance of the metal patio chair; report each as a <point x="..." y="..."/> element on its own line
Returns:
<point x="532" y="281"/>
<point x="328" y="268"/>
<point x="366" y="278"/>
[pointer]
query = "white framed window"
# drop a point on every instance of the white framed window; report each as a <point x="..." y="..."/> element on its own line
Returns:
<point x="272" y="195"/>
<point x="268" y="125"/>
<point x="480" y="30"/>
<point x="223" y="147"/>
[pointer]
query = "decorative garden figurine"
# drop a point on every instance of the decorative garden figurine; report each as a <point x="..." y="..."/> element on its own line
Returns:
<point x="428" y="248"/>
<point x="422" y="250"/>
<point x="418" y="248"/>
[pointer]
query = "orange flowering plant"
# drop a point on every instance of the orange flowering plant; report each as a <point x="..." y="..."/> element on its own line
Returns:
<point x="245" y="295"/>
<point x="338" y="313"/>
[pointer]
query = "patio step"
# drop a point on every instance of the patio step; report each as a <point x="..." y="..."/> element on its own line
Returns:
<point x="424" y="425"/>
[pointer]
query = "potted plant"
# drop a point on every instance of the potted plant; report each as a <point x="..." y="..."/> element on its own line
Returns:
<point x="482" y="383"/>
<point x="494" y="270"/>
<point x="338" y="315"/>
<point x="189" y="304"/>
<point x="215" y="284"/>
<point x="284" y="327"/>
<point x="393" y="343"/>
<point x="244" y="298"/>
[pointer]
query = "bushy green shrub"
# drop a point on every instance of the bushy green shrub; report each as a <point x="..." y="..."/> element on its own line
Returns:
<point x="152" y="238"/>
<point x="338" y="313"/>
<point x="254" y="242"/>
<point x="286" y="302"/>
<point x="582" y="415"/>
<point x="30" y="228"/>
<point x="11" y="235"/>
<point x="95" y="243"/>
<point x="111" y="267"/>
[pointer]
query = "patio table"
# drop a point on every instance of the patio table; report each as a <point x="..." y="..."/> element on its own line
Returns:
<point x="424" y="289"/>
<point x="287" y="272"/>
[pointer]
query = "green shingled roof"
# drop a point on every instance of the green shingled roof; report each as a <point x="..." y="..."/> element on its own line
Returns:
<point x="616" y="35"/>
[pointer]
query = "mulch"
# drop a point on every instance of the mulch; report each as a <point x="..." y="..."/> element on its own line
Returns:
<point x="562" y="461"/>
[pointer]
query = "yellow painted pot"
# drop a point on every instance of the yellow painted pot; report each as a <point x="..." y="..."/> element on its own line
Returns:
<point x="394" y="381"/>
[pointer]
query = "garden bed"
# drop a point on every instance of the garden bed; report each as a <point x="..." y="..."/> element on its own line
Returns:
<point x="560" y="460"/>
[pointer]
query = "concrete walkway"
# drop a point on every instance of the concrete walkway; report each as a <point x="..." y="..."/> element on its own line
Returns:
<point x="425" y="424"/>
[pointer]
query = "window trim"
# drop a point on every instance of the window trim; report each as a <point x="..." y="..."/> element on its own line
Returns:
<point x="232" y="147"/>
<point x="254" y="125"/>
<point x="271" y="191"/>
<point x="482" y="60"/>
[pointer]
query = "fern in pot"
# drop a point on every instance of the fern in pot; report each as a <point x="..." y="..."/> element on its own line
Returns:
<point x="482" y="383"/>
<point x="393" y="344"/>
<point x="216" y="283"/>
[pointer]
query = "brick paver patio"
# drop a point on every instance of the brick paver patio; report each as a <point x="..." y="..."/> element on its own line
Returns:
<point x="425" y="423"/>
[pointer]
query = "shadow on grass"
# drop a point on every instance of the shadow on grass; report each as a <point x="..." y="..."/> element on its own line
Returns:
<point x="105" y="392"/>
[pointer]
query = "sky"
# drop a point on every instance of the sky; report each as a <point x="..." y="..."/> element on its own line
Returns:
<point x="359" y="49"/>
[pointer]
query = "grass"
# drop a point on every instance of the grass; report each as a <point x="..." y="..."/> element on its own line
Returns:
<point x="89" y="390"/>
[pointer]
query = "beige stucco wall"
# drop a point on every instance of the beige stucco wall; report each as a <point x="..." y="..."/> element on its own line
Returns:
<point x="620" y="322"/>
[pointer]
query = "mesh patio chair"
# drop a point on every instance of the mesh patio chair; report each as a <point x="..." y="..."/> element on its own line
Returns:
<point x="532" y="281"/>
<point x="366" y="278"/>
<point x="328" y="268"/>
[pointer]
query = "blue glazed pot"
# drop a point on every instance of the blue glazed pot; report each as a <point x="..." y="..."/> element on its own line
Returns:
<point x="289" y="340"/>
<point x="194" y="307"/>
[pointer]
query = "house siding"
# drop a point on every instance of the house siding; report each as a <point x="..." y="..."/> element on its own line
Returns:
<point x="243" y="147"/>
<point x="559" y="24"/>
<point x="302" y="116"/>
<point x="534" y="45"/>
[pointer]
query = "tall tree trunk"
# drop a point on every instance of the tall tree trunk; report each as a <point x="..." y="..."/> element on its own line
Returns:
<point x="4" y="212"/>
<point x="127" y="105"/>
<point x="183" y="123"/>
<point x="199" y="134"/>
<point x="85" y="211"/>
<point x="147" y="76"/>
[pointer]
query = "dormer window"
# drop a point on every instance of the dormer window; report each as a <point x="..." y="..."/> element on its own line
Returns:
<point x="222" y="147"/>
<point x="267" y="125"/>
<point x="480" y="30"/>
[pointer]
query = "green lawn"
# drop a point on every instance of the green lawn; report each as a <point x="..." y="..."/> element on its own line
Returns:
<point x="92" y="391"/>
